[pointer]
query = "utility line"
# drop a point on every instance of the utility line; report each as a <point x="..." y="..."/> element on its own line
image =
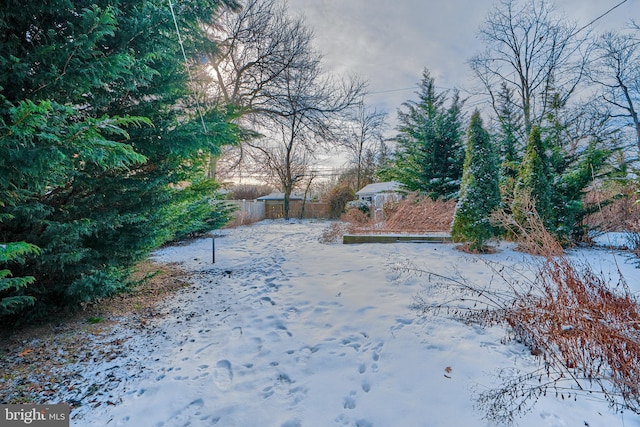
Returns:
<point x="416" y="87"/>
<point x="593" y="21"/>
<point x="391" y="90"/>
<point x="186" y="65"/>
<point x="600" y="17"/>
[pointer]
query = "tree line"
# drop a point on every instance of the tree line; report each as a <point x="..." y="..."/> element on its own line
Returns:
<point x="117" y="116"/>
<point x="563" y="115"/>
<point x="102" y="144"/>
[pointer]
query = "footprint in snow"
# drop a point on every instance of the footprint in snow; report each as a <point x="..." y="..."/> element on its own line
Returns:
<point x="223" y="374"/>
<point x="185" y="413"/>
<point x="236" y="332"/>
<point x="283" y="384"/>
<point x="303" y="356"/>
<point x="267" y="300"/>
<point x="350" y="401"/>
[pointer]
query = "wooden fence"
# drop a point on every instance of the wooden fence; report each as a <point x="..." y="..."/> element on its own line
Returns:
<point x="275" y="209"/>
<point x="249" y="211"/>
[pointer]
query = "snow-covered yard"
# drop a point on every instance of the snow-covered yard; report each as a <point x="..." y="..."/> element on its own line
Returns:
<point x="285" y="331"/>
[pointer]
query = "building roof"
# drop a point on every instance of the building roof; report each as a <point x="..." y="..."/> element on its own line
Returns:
<point x="380" y="187"/>
<point x="279" y="196"/>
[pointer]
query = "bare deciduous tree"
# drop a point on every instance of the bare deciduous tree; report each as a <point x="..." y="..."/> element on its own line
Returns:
<point x="279" y="162"/>
<point x="304" y="114"/>
<point x="532" y="51"/>
<point x="363" y="132"/>
<point x="268" y="70"/>
<point x="615" y="70"/>
<point x="254" y="48"/>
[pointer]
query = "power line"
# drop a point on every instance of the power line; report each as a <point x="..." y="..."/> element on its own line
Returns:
<point x="600" y="17"/>
<point x="186" y="64"/>
<point x="392" y="90"/>
<point x="402" y="89"/>
<point x="593" y="21"/>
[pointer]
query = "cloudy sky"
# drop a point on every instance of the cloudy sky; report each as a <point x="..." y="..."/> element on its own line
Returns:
<point x="388" y="43"/>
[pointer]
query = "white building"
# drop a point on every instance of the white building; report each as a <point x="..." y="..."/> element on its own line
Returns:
<point x="380" y="193"/>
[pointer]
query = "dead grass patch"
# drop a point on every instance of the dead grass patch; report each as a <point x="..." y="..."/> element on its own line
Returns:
<point x="419" y="214"/>
<point x="333" y="233"/>
<point x="414" y="214"/>
<point x="36" y="359"/>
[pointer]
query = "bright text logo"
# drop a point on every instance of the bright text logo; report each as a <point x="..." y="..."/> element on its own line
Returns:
<point x="34" y="415"/>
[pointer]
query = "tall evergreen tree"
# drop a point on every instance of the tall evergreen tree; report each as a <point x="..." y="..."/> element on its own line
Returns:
<point x="430" y="150"/>
<point x="14" y="252"/>
<point x="533" y="180"/>
<point x="479" y="191"/>
<point x="509" y="139"/>
<point x="575" y="159"/>
<point x="99" y="136"/>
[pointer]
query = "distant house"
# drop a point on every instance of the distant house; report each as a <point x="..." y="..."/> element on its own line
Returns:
<point x="380" y="193"/>
<point x="368" y="192"/>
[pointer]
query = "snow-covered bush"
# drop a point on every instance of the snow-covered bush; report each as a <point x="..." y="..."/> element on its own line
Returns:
<point x="361" y="205"/>
<point x="479" y="192"/>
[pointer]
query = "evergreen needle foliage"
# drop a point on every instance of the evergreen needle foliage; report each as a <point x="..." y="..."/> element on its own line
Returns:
<point x="480" y="189"/>
<point x="533" y="180"/>
<point x="101" y="144"/>
<point x="14" y="252"/>
<point x="430" y="151"/>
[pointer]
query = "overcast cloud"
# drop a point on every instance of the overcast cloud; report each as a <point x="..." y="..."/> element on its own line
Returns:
<point x="388" y="43"/>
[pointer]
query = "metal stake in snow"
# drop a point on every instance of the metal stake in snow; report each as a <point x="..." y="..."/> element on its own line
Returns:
<point x="213" y="250"/>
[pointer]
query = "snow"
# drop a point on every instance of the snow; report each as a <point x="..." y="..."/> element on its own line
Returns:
<point x="285" y="331"/>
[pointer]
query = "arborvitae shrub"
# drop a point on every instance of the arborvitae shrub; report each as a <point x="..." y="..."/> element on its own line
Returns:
<point x="479" y="192"/>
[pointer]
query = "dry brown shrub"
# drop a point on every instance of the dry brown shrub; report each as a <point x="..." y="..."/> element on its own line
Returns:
<point x="333" y="233"/>
<point x="356" y="216"/>
<point x="530" y="234"/>
<point x="617" y="209"/>
<point x="584" y="329"/>
<point x="419" y="214"/>
<point x="414" y="214"/>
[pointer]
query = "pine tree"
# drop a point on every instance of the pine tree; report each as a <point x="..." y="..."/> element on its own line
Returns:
<point x="430" y="151"/>
<point x="574" y="163"/>
<point x="101" y="144"/>
<point x="13" y="286"/>
<point x="479" y="191"/>
<point x="533" y="181"/>
<point x="508" y="139"/>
